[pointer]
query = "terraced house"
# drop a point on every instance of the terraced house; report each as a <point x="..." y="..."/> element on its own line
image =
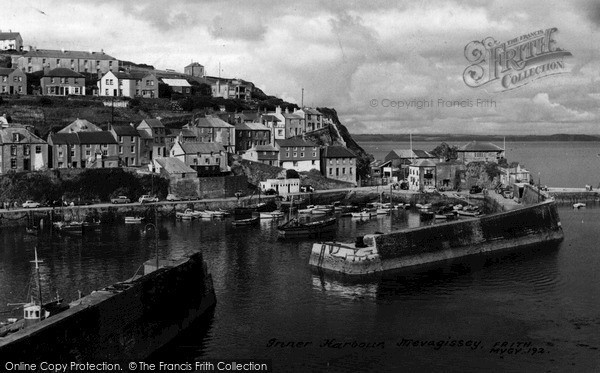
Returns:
<point x="206" y="158"/>
<point x="78" y="61"/>
<point x="94" y="149"/>
<point x="62" y="82"/>
<point x="338" y="163"/>
<point x="298" y="154"/>
<point x="211" y="129"/>
<point x="128" y="145"/>
<point x="21" y="150"/>
<point x="248" y="135"/>
<point x="13" y="81"/>
<point x="152" y="140"/>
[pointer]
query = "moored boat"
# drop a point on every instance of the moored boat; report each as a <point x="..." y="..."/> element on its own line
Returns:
<point x="133" y="219"/>
<point x="296" y="228"/>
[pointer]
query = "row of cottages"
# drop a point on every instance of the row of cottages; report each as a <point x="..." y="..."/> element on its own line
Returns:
<point x="86" y="149"/>
<point x="77" y="61"/>
<point x="431" y="173"/>
<point x="249" y="135"/>
<point x="21" y="150"/>
<point x="128" y="84"/>
<point x="13" y="81"/>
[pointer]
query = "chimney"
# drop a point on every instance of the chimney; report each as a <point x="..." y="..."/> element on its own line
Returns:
<point x="278" y="110"/>
<point x="131" y="124"/>
<point x="46" y="69"/>
<point x="287" y="110"/>
<point x="62" y="50"/>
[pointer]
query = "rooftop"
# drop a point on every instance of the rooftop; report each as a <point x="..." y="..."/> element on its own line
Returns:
<point x="337" y="152"/>
<point x="477" y="146"/>
<point x="59" y="53"/>
<point x="174" y="165"/>
<point x="63" y="73"/>
<point x="202" y="147"/>
<point x="294" y="141"/>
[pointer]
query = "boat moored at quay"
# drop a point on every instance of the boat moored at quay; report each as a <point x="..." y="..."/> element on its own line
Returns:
<point x="435" y="244"/>
<point x="122" y="322"/>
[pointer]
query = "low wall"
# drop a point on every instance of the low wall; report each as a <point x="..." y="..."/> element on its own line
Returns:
<point x="219" y="187"/>
<point x="496" y="227"/>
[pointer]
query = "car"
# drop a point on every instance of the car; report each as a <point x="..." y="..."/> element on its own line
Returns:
<point x="429" y="189"/>
<point x="31" y="204"/>
<point x="120" y="199"/>
<point x="173" y="197"/>
<point x="475" y="189"/>
<point x="146" y="198"/>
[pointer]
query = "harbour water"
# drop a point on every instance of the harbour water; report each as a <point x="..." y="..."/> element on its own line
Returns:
<point x="451" y="319"/>
<point x="529" y="312"/>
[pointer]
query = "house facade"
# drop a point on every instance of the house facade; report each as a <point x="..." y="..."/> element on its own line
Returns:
<point x="281" y="186"/>
<point x="248" y="135"/>
<point x="128" y="84"/>
<point x="231" y="88"/>
<point x="477" y="151"/>
<point x="206" y="158"/>
<point x="266" y="154"/>
<point x="128" y="145"/>
<point x="21" y="150"/>
<point x="312" y="117"/>
<point x="11" y="41"/>
<point x="397" y="161"/>
<point x="422" y="175"/>
<point x="13" y="81"/>
<point x="275" y="124"/>
<point x="62" y="82"/>
<point x="152" y="140"/>
<point x="77" y="61"/>
<point x="211" y="129"/>
<point x="338" y="163"/>
<point x="298" y="154"/>
<point x="94" y="149"/>
<point x="173" y="168"/>
<point x="514" y="173"/>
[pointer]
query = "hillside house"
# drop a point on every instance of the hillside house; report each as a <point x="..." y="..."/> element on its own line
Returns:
<point x="21" y="150"/>
<point x="266" y="154"/>
<point x="194" y="69"/>
<point x="477" y="151"/>
<point x="298" y="154"/>
<point x="94" y="149"/>
<point x="62" y="82"/>
<point x="248" y="135"/>
<point x="13" y="81"/>
<point x="128" y="145"/>
<point x="206" y="158"/>
<point x="211" y="129"/>
<point x="152" y="140"/>
<point x="80" y="125"/>
<point x="422" y="175"/>
<point x="11" y="41"/>
<point x="338" y="163"/>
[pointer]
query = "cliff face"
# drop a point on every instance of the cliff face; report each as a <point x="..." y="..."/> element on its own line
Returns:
<point x="338" y="134"/>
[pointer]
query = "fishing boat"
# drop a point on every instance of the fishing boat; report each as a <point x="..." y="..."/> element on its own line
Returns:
<point x="167" y="297"/>
<point x="296" y="228"/>
<point x="578" y="205"/>
<point x="247" y="221"/>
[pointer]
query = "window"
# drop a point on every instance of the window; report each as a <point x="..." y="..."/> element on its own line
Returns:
<point x="104" y="146"/>
<point x="26" y="149"/>
<point x="106" y="92"/>
<point x="331" y="161"/>
<point x="287" y="155"/>
<point x="51" y="80"/>
<point x="13" y="163"/>
<point x="72" y="153"/>
<point x="206" y="160"/>
<point x="295" y="154"/>
<point x="58" y="61"/>
<point x="63" y="80"/>
<point x="20" y="89"/>
<point x="217" y="160"/>
<point x="88" y="153"/>
<point x="38" y="149"/>
<point x="331" y="171"/>
<point x="105" y="152"/>
<point x="120" y="139"/>
<point x="315" y="154"/>
<point x="350" y="160"/>
<point x="343" y="170"/>
<point x="133" y="149"/>
<point x="16" y="137"/>
<point x="302" y="148"/>
<point x="13" y="150"/>
<point x="4" y="79"/>
<point x="60" y="153"/>
<point x="131" y="139"/>
<point x="302" y="154"/>
<point x="295" y="148"/>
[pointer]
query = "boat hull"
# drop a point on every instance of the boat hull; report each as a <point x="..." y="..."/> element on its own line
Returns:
<point x="126" y="321"/>
<point x="310" y="229"/>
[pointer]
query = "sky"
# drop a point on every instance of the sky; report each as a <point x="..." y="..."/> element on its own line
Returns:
<point x="367" y="59"/>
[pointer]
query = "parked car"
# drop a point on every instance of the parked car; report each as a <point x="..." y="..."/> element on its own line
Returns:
<point x="475" y="189"/>
<point x="120" y="199"/>
<point x="429" y="189"/>
<point x="173" y="197"/>
<point x="31" y="204"/>
<point x="146" y="198"/>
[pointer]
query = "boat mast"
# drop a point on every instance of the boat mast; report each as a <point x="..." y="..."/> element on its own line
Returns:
<point x="37" y="271"/>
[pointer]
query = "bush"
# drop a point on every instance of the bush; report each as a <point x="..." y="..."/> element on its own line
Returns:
<point x="44" y="101"/>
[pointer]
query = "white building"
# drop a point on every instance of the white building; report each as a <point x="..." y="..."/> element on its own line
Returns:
<point x="282" y="186"/>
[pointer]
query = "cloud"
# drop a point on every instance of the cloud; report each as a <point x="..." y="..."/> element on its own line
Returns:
<point x="237" y="27"/>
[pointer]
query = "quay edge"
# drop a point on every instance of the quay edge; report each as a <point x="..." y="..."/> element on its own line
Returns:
<point x="424" y="246"/>
<point x="122" y="322"/>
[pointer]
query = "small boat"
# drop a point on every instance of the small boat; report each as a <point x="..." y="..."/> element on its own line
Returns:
<point x="295" y="228"/>
<point x="364" y="213"/>
<point x="133" y="219"/>
<point x="248" y="221"/>
<point x="578" y="205"/>
<point x="71" y="227"/>
<point x="467" y="213"/>
<point x="32" y="230"/>
<point x="271" y="215"/>
<point x="307" y="210"/>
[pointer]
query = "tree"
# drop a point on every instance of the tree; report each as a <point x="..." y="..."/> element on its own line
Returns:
<point x="445" y="151"/>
